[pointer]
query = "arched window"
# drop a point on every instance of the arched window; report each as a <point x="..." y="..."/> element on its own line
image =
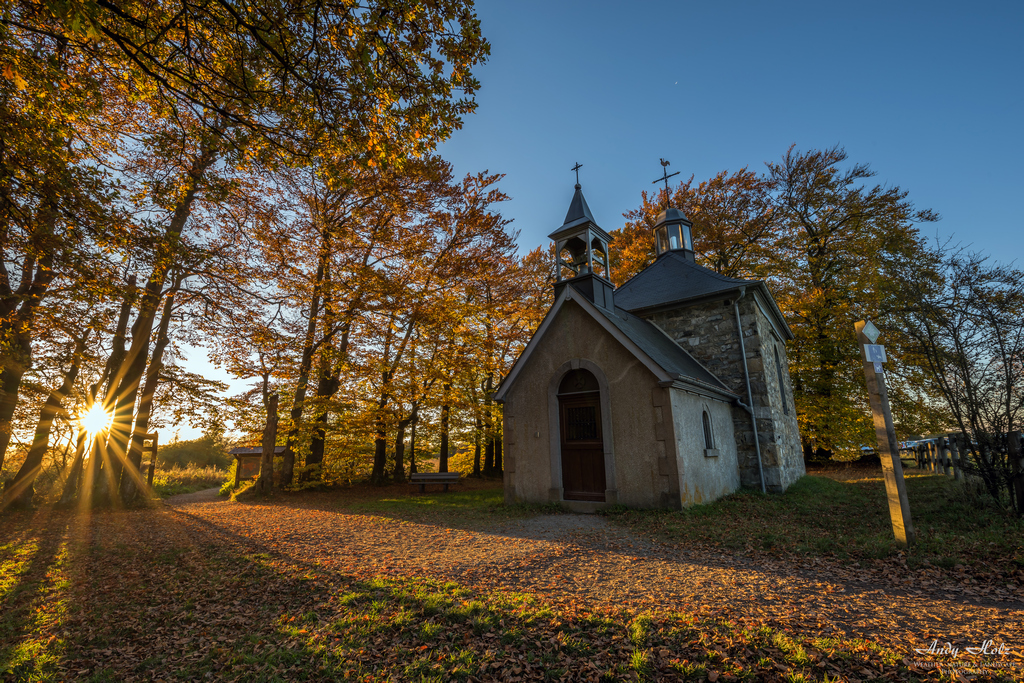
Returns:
<point x="782" y="382"/>
<point x="578" y="381"/>
<point x="709" y="439"/>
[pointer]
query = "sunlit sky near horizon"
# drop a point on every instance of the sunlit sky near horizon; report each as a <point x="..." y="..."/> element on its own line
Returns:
<point x="930" y="94"/>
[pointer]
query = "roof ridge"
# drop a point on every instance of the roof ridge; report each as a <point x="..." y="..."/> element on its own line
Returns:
<point x="715" y="273"/>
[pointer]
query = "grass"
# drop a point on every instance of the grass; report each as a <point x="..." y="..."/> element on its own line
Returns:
<point x="847" y="518"/>
<point x="178" y="480"/>
<point x="474" y="502"/>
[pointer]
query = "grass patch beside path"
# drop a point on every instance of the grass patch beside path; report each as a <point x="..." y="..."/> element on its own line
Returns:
<point x="178" y="480"/>
<point x="473" y="501"/>
<point x="847" y="519"/>
<point x="143" y="594"/>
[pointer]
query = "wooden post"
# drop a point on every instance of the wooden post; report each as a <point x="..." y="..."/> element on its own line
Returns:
<point x="152" y="461"/>
<point x="1016" y="468"/>
<point x="954" y="451"/>
<point x="943" y="455"/>
<point x="888" y="447"/>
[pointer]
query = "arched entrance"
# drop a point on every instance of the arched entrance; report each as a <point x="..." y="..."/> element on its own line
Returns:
<point x="582" y="439"/>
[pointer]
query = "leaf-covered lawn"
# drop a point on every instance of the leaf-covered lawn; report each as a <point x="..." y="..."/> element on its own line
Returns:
<point x="847" y="518"/>
<point x="315" y="587"/>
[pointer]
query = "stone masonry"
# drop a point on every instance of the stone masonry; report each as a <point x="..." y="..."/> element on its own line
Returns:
<point x="708" y="331"/>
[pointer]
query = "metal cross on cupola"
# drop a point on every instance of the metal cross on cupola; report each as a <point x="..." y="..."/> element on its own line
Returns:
<point x="577" y="168"/>
<point x="581" y="251"/>
<point x="672" y="228"/>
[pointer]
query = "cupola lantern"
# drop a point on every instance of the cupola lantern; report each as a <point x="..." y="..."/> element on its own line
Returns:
<point x="672" y="233"/>
<point x="581" y="252"/>
<point x="672" y="228"/>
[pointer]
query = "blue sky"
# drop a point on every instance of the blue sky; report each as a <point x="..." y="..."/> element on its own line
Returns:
<point x="931" y="95"/>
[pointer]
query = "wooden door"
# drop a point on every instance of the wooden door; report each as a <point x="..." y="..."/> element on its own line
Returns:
<point x="583" y="476"/>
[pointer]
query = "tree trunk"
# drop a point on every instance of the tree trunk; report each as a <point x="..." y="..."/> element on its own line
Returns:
<point x="17" y="320"/>
<point x="130" y="372"/>
<point x="477" y="437"/>
<point x="93" y="491"/>
<point x="442" y="465"/>
<point x="380" y="453"/>
<point x="21" y="491"/>
<point x="489" y="455"/>
<point x="305" y="367"/>
<point x="499" y="469"/>
<point x="412" y="449"/>
<point x="71" y="484"/>
<point x="327" y="386"/>
<point x="399" y="473"/>
<point x="317" y="445"/>
<point x="265" y="482"/>
<point x="117" y="344"/>
<point x="10" y="387"/>
<point x="489" y="467"/>
<point x="132" y="484"/>
<point x="378" y="476"/>
<point x="1013" y="452"/>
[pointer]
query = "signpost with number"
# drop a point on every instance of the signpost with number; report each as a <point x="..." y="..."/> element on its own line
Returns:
<point x="885" y="433"/>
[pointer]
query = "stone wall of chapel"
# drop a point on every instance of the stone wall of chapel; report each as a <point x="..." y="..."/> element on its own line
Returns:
<point x="776" y="414"/>
<point x="708" y="331"/>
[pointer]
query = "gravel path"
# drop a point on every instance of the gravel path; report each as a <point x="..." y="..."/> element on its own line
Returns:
<point x="583" y="559"/>
<point x="204" y="496"/>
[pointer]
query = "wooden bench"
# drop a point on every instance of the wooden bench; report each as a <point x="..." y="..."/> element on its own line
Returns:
<point x="421" y="479"/>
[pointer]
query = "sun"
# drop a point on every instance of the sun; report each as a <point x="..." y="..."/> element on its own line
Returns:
<point x="96" y="420"/>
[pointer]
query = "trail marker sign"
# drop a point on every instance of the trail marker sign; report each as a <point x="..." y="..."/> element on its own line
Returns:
<point x="885" y="433"/>
<point x="875" y="353"/>
<point x="870" y="331"/>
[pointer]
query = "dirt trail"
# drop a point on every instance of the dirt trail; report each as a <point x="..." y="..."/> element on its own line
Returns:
<point x="584" y="559"/>
<point x="204" y="496"/>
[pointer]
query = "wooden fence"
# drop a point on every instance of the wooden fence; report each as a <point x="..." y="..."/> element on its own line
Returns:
<point x="941" y="455"/>
<point x="1004" y="466"/>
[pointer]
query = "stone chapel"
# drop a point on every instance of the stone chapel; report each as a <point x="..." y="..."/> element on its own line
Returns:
<point x="670" y="390"/>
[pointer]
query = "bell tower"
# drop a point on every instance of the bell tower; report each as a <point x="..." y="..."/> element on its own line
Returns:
<point x="581" y="253"/>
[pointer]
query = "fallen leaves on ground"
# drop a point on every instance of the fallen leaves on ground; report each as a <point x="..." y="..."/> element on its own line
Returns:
<point x="302" y="589"/>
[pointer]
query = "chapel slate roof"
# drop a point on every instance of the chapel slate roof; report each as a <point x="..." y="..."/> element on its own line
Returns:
<point x="578" y="215"/>
<point x="661" y="349"/>
<point x="647" y="342"/>
<point x="673" y="279"/>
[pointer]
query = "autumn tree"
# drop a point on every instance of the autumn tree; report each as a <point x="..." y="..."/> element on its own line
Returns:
<point x="826" y="241"/>
<point x="838" y="233"/>
<point x="242" y="87"/>
<point x="966" y="321"/>
<point x="55" y="207"/>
